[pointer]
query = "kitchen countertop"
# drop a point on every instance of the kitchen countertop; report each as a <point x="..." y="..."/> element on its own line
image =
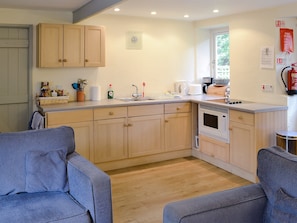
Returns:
<point x="251" y="107"/>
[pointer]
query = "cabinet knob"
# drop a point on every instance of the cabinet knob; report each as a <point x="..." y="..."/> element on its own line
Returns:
<point x="64" y="60"/>
<point x="240" y="117"/>
<point x="111" y="113"/>
<point x="60" y="61"/>
<point x="125" y="125"/>
<point x="129" y="125"/>
<point x="166" y="121"/>
<point x="178" y="108"/>
<point x="86" y="60"/>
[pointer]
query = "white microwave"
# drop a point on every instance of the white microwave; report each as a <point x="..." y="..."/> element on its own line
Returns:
<point x="214" y="122"/>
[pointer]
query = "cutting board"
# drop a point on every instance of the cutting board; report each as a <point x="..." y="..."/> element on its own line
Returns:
<point x="216" y="90"/>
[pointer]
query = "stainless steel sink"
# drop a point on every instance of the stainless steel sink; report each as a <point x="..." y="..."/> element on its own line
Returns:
<point x="135" y="99"/>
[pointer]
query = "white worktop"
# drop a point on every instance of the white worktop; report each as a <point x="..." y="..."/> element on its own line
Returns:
<point x="251" y="107"/>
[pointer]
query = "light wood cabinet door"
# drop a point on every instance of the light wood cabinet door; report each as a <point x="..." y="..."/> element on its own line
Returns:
<point x="242" y="140"/>
<point x="83" y="133"/>
<point x="50" y="45"/>
<point x="94" y="46"/>
<point x="178" y="131"/>
<point x="110" y="139"/>
<point x="214" y="148"/>
<point x="82" y="123"/>
<point x="145" y="135"/>
<point x="73" y="47"/>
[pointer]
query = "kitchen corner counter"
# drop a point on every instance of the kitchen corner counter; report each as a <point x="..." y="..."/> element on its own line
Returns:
<point x="251" y="107"/>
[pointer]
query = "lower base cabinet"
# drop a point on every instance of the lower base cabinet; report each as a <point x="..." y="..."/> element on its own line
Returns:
<point x="110" y="139"/>
<point x="82" y="123"/>
<point x="214" y="148"/>
<point x="117" y="137"/>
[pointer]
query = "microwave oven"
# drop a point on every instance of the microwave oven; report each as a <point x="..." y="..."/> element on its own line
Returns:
<point x="214" y="122"/>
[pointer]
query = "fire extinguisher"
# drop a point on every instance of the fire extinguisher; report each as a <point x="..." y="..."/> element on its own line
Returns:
<point x="291" y="86"/>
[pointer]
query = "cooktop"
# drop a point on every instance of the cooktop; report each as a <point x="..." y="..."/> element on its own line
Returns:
<point x="228" y="101"/>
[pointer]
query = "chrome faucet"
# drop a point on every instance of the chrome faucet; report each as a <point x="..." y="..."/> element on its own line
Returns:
<point x="136" y="94"/>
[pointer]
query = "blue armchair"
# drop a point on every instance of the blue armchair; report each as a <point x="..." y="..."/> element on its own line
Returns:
<point x="272" y="200"/>
<point x="42" y="179"/>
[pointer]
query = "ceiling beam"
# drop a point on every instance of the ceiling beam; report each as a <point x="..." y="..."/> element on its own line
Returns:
<point x="91" y="8"/>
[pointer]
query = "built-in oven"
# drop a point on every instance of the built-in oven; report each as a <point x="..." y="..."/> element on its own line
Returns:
<point x="214" y="122"/>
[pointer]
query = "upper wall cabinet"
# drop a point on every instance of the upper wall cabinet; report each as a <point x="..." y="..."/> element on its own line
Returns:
<point x="70" y="46"/>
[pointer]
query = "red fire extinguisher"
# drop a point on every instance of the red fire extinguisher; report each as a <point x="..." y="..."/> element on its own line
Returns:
<point x="291" y="85"/>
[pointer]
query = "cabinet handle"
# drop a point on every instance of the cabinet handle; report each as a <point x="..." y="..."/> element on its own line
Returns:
<point x="178" y="108"/>
<point x="230" y="129"/>
<point x="60" y="61"/>
<point x="166" y="121"/>
<point x="129" y="125"/>
<point x="126" y="125"/>
<point x="111" y="113"/>
<point x="86" y="60"/>
<point x="64" y="60"/>
<point x="240" y="118"/>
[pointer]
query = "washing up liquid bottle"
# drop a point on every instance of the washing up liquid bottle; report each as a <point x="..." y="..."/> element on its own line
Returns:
<point x="110" y="92"/>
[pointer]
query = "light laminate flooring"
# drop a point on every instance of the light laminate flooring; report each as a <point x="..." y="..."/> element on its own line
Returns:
<point x="140" y="193"/>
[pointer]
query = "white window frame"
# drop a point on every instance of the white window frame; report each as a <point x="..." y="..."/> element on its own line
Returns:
<point x="213" y="34"/>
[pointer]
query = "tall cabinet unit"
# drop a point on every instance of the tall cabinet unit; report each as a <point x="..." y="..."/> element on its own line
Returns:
<point x="70" y="46"/>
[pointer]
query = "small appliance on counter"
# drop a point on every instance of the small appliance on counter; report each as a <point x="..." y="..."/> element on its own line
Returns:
<point x="206" y="81"/>
<point x="181" y="87"/>
<point x="195" y="89"/>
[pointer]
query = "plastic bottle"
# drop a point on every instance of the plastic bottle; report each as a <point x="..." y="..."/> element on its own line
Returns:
<point x="110" y="92"/>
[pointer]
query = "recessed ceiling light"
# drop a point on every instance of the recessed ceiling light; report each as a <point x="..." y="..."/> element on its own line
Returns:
<point x="186" y="16"/>
<point x="153" y="13"/>
<point x="215" y="11"/>
<point x="117" y="9"/>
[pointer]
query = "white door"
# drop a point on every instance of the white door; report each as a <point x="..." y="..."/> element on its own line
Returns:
<point x="14" y="78"/>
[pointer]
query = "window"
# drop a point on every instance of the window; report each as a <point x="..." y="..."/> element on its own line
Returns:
<point x="220" y="53"/>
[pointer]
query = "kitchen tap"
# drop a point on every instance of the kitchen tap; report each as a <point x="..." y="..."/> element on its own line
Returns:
<point x="136" y="94"/>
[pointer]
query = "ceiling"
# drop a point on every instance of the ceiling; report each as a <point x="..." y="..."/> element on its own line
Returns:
<point x="169" y="9"/>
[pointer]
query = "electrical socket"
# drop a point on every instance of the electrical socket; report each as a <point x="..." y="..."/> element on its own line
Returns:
<point x="267" y="88"/>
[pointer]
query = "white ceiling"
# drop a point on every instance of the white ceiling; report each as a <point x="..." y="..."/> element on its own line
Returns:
<point x="169" y="9"/>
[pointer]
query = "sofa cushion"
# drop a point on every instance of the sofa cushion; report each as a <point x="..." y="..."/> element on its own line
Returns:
<point x="277" y="169"/>
<point x="284" y="209"/>
<point x="55" y="207"/>
<point x="14" y="147"/>
<point x="46" y="171"/>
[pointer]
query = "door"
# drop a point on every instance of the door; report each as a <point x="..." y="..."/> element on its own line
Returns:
<point x="15" y="107"/>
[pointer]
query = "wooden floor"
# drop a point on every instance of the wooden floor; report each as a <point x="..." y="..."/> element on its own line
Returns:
<point x="140" y="193"/>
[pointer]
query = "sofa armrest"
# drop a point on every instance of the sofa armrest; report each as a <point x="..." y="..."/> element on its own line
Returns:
<point x="243" y="204"/>
<point x="91" y="187"/>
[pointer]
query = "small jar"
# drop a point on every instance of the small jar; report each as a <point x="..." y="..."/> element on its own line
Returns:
<point x="80" y="96"/>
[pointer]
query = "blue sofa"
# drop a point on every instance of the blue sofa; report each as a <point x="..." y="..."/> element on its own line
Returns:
<point x="272" y="200"/>
<point x="42" y="179"/>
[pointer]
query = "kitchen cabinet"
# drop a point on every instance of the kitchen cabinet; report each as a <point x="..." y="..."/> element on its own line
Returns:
<point x="70" y="46"/>
<point x="145" y="130"/>
<point x="94" y="46"/>
<point x="249" y="132"/>
<point x="242" y="140"/>
<point x="82" y="123"/>
<point x="214" y="148"/>
<point x="110" y="134"/>
<point x="178" y="131"/>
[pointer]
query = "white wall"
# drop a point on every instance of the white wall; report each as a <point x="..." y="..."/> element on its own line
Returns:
<point x="172" y="50"/>
<point x="167" y="54"/>
<point x="248" y="33"/>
